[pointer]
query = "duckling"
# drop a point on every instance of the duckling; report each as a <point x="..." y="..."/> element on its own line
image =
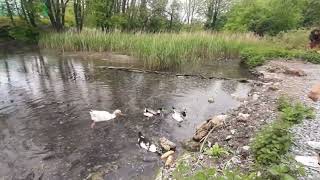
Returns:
<point x="100" y="116"/>
<point x="179" y="116"/>
<point x="146" y="144"/>
<point x="150" y="113"/>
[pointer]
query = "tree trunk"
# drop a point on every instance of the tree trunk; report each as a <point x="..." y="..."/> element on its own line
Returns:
<point x="10" y="14"/>
<point x="78" y="8"/>
<point x="56" y="13"/>
<point x="124" y="3"/>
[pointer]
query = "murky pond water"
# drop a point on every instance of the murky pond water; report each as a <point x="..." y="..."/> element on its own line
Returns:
<point x="45" y="124"/>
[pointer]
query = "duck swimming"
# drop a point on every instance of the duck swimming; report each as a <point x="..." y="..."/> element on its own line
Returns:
<point x="146" y="144"/>
<point x="150" y="113"/>
<point x="178" y="116"/>
<point x="100" y="116"/>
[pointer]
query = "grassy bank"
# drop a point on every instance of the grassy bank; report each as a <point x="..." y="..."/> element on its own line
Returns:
<point x="158" y="51"/>
<point x="167" y="50"/>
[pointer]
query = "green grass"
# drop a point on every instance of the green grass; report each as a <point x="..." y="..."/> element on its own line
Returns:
<point x="170" y="50"/>
<point x="216" y="151"/>
<point x="157" y="51"/>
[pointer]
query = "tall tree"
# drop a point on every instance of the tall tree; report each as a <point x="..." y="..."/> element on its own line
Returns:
<point x="9" y="11"/>
<point x="56" y="12"/>
<point x="174" y="15"/>
<point x="29" y="11"/>
<point x="215" y="9"/>
<point x="79" y="11"/>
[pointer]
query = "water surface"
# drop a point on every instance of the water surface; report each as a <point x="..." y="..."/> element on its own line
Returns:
<point x="45" y="129"/>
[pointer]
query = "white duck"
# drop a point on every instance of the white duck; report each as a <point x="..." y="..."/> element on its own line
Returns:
<point x="100" y="116"/>
<point x="178" y="116"/>
<point x="150" y="113"/>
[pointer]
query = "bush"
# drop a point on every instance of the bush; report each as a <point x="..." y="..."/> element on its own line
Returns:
<point x="271" y="143"/>
<point x="293" y="112"/>
<point x="287" y="169"/>
<point x="256" y="56"/>
<point x="24" y="33"/>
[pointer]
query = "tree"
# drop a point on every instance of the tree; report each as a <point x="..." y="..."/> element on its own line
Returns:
<point x="9" y="11"/>
<point x="265" y="16"/>
<point x="28" y="8"/>
<point x="174" y="17"/>
<point x="79" y="10"/>
<point x="214" y="13"/>
<point x="158" y="17"/>
<point x="311" y="13"/>
<point x="56" y="12"/>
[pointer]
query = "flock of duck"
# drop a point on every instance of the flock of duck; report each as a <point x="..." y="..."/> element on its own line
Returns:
<point x="102" y="116"/>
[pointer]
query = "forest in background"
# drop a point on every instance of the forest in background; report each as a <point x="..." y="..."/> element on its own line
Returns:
<point x="263" y="17"/>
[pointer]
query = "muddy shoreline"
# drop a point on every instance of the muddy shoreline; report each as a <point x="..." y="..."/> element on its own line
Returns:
<point x="260" y="108"/>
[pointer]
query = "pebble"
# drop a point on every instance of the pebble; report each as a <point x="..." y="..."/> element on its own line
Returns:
<point x="255" y="97"/>
<point x="211" y="100"/>
<point x="246" y="148"/>
<point x="233" y="131"/>
<point x="229" y="137"/>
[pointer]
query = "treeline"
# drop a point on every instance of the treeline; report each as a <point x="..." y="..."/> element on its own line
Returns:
<point x="259" y="16"/>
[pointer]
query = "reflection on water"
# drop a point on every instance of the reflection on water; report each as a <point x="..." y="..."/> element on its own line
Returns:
<point x="45" y="124"/>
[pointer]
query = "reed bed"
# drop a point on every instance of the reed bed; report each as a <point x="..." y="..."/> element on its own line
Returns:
<point x="157" y="51"/>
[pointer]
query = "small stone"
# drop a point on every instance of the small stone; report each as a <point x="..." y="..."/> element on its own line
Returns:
<point x="169" y="161"/>
<point x="167" y="154"/>
<point x="295" y="72"/>
<point x="200" y="157"/>
<point x="211" y="100"/>
<point x="255" y="97"/>
<point x="311" y="161"/>
<point x="233" y="131"/>
<point x="315" y="93"/>
<point x="229" y="137"/>
<point x="273" y="88"/>
<point x="167" y="144"/>
<point x="246" y="148"/>
<point x="191" y="145"/>
<point x="243" y="117"/>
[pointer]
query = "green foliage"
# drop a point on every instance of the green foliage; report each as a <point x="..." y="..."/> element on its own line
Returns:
<point x="181" y="170"/>
<point x="271" y="143"/>
<point x="24" y="33"/>
<point x="264" y="17"/>
<point x="288" y="169"/>
<point x="296" y="113"/>
<point x="204" y="174"/>
<point x="216" y="151"/>
<point x="293" y="112"/>
<point x="311" y="13"/>
<point x="256" y="56"/>
<point x="156" y="51"/>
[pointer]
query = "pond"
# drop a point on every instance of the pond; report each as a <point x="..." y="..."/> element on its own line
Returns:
<point x="45" y="99"/>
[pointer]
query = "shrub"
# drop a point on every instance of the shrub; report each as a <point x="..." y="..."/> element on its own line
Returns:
<point x="287" y="169"/>
<point x="293" y="112"/>
<point x="296" y="113"/>
<point x="24" y="33"/>
<point x="271" y="143"/>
